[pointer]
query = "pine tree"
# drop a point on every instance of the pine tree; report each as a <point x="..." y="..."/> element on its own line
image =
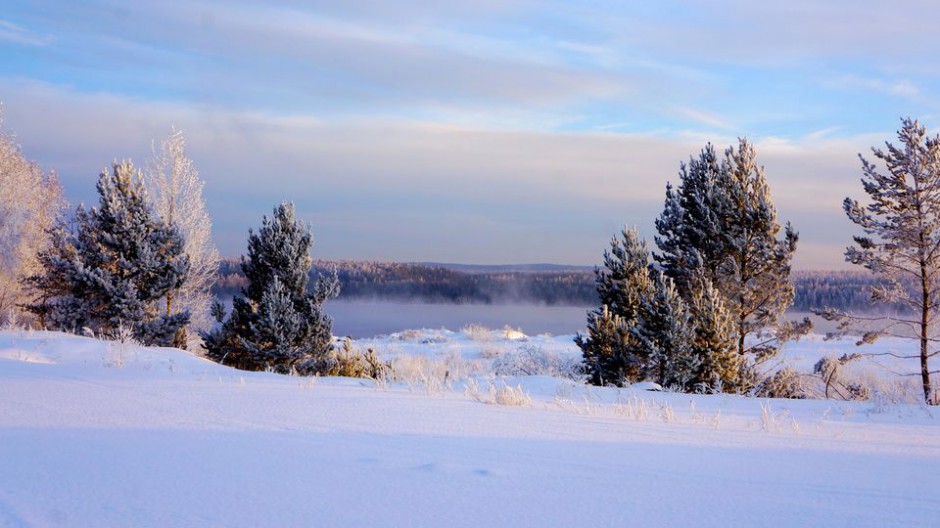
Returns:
<point x="902" y="234"/>
<point x="713" y="340"/>
<point x="277" y="324"/>
<point x="721" y="223"/>
<point x="607" y="350"/>
<point x="107" y="270"/>
<point x="692" y="235"/>
<point x="624" y="281"/>
<point x="610" y="352"/>
<point x="664" y="334"/>
<point x="755" y="276"/>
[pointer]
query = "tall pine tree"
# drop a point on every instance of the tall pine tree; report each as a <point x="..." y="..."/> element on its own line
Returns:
<point x="901" y="241"/>
<point x="278" y="324"/>
<point x="721" y="223"/>
<point x="108" y="269"/>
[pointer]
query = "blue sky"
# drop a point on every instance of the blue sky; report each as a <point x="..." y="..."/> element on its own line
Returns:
<point x="474" y="131"/>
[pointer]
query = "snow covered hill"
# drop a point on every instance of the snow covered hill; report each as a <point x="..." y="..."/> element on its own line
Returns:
<point x="104" y="434"/>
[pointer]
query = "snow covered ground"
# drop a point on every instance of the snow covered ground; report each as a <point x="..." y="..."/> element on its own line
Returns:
<point x="103" y="434"/>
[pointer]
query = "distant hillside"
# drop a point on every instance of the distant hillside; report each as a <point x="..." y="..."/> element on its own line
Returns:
<point x="550" y="284"/>
<point x="435" y="283"/>
<point x="509" y="268"/>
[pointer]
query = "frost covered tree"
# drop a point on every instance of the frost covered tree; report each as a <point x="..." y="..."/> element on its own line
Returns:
<point x="721" y="223"/>
<point x="713" y="340"/>
<point x="691" y="229"/>
<point x="901" y="241"/>
<point x="30" y="204"/>
<point x="175" y="190"/>
<point x="664" y="334"/>
<point x="624" y="281"/>
<point x="278" y="324"/>
<point x="610" y="352"/>
<point x="108" y="269"/>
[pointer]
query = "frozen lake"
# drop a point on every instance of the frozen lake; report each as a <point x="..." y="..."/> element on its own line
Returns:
<point x="367" y="318"/>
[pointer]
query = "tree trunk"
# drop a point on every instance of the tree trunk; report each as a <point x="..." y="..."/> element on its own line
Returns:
<point x="924" y="339"/>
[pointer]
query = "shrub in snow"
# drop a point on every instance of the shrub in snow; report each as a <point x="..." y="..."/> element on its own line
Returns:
<point x="785" y="383"/>
<point x="830" y="369"/>
<point x="109" y="269"/>
<point x="531" y="360"/>
<point x="279" y="323"/>
<point x="349" y="362"/>
<point x="498" y="395"/>
<point x="514" y="334"/>
<point x="476" y="332"/>
<point x="433" y="374"/>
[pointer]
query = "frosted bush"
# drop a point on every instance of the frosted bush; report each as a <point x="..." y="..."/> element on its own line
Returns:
<point x="408" y="335"/>
<point x="347" y="361"/>
<point x="635" y="407"/>
<point x="531" y="360"/>
<point x="489" y="351"/>
<point x="498" y="395"/>
<point x="512" y="396"/>
<point x="433" y="374"/>
<point x="666" y="414"/>
<point x="785" y="383"/>
<point x="514" y="334"/>
<point x="476" y="332"/>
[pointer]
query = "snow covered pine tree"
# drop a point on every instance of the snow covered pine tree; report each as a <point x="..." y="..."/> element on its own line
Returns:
<point x="902" y="237"/>
<point x="610" y="353"/>
<point x="107" y="270"/>
<point x="720" y="227"/>
<point x="277" y="325"/>
<point x="643" y="329"/>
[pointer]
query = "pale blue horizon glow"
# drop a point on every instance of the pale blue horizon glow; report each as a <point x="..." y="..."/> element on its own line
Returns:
<point x="481" y="131"/>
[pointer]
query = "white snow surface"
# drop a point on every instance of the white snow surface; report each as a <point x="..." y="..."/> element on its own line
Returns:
<point x="105" y="434"/>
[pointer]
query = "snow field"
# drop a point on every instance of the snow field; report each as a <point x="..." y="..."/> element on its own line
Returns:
<point x="105" y="434"/>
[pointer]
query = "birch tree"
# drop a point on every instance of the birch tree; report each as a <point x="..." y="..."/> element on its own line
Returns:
<point x="901" y="241"/>
<point x="30" y="203"/>
<point x="175" y="191"/>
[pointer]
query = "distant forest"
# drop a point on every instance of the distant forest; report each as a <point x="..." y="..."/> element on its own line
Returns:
<point x="550" y="285"/>
<point x="440" y="284"/>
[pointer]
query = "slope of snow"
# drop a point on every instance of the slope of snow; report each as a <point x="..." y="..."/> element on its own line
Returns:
<point x="99" y="434"/>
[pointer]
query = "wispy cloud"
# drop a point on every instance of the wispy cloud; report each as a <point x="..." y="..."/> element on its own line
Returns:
<point x="11" y="32"/>
<point x="705" y="118"/>
<point x="902" y="88"/>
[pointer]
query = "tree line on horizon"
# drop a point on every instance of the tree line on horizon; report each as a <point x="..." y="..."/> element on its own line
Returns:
<point x="407" y="282"/>
<point x="700" y="311"/>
